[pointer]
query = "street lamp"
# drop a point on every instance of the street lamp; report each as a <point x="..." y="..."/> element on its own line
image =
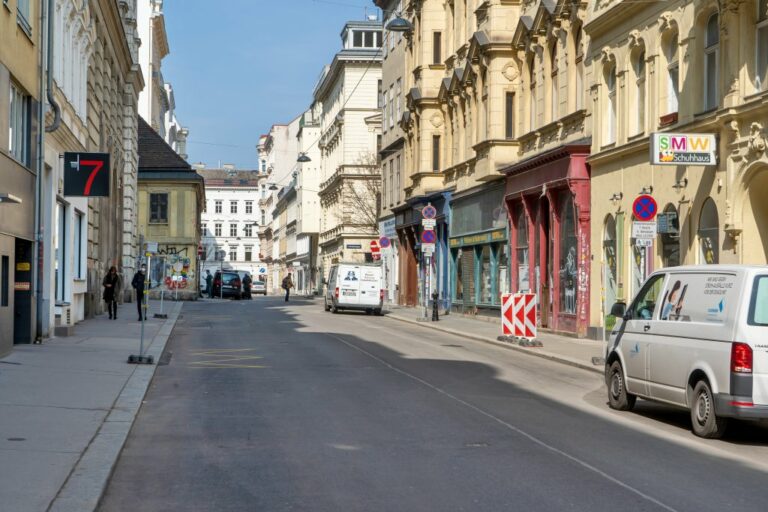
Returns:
<point x="399" y="24"/>
<point x="303" y="158"/>
<point x="10" y="198"/>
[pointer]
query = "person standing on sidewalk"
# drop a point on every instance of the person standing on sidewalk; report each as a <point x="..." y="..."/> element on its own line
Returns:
<point x="138" y="285"/>
<point x="209" y="283"/>
<point x="287" y="285"/>
<point x="110" y="283"/>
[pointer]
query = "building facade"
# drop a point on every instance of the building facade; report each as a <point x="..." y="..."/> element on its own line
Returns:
<point x="20" y="96"/>
<point x="350" y="125"/>
<point x="231" y="221"/>
<point x="679" y="68"/>
<point x="171" y="201"/>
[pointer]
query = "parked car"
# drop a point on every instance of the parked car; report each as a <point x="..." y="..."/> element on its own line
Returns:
<point x="259" y="287"/>
<point x="231" y="287"/>
<point x="354" y="286"/>
<point x="694" y="337"/>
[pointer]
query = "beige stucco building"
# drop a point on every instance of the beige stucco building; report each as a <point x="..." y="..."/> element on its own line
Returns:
<point x="686" y="67"/>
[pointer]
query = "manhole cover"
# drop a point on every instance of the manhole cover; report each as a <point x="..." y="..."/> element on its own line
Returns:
<point x="16" y="439"/>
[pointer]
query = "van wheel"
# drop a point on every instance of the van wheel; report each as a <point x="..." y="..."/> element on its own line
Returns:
<point x="705" y="422"/>
<point x="327" y="307"/>
<point x="377" y="312"/>
<point x="368" y="311"/>
<point x="618" y="398"/>
<point x="334" y="309"/>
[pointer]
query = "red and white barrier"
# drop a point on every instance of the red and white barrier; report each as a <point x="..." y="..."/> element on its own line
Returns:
<point x="518" y="315"/>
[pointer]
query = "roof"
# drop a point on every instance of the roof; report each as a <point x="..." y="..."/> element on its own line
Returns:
<point x="155" y="153"/>
<point x="227" y="178"/>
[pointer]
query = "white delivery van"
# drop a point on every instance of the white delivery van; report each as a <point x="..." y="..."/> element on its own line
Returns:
<point x="694" y="337"/>
<point x="354" y="286"/>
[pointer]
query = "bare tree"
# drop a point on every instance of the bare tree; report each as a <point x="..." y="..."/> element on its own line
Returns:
<point x="361" y="195"/>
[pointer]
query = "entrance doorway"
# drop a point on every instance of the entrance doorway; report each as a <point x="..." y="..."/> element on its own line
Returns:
<point x="22" y="295"/>
<point x="543" y="264"/>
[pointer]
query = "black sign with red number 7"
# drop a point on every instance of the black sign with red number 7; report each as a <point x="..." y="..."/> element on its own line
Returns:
<point x="86" y="174"/>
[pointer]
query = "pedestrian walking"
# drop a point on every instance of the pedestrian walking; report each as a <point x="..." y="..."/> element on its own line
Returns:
<point x="287" y="285"/>
<point x="209" y="283"/>
<point x="138" y="285"/>
<point x="110" y="283"/>
<point x="247" y="286"/>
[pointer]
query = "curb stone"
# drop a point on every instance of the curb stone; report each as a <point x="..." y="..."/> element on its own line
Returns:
<point x="85" y="485"/>
<point x="507" y="344"/>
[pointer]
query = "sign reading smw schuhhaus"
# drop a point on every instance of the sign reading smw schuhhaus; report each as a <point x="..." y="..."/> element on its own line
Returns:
<point x="86" y="174"/>
<point x="683" y="149"/>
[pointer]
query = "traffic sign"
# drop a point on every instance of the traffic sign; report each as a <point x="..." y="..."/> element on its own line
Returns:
<point x="644" y="230"/>
<point x="428" y="237"/>
<point x="644" y="208"/>
<point x="428" y="223"/>
<point x="375" y="246"/>
<point x="429" y="212"/>
<point x="428" y="248"/>
<point x="385" y="242"/>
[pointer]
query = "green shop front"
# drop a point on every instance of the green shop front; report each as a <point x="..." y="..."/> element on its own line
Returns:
<point x="479" y="252"/>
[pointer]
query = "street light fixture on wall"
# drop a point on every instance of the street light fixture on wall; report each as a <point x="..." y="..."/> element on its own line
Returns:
<point x="303" y="158"/>
<point x="10" y="199"/>
<point x="399" y="24"/>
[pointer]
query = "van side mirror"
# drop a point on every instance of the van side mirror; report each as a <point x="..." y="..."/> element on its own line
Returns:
<point x="618" y="310"/>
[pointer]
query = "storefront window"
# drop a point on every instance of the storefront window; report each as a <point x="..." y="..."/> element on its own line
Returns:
<point x="568" y="257"/>
<point x="709" y="236"/>
<point x="502" y="270"/>
<point x="639" y="265"/>
<point x="458" y="290"/>
<point x="523" y="283"/>
<point x="609" y="270"/>
<point x="468" y="276"/>
<point x="669" y="228"/>
<point x="485" y="274"/>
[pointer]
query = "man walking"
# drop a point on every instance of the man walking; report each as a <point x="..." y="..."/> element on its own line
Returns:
<point x="138" y="285"/>
<point x="110" y="283"/>
<point x="287" y="285"/>
<point x="209" y="283"/>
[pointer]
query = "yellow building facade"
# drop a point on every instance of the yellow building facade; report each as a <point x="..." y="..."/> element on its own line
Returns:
<point x="681" y="67"/>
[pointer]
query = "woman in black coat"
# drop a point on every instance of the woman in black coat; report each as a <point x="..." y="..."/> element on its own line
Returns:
<point x="110" y="284"/>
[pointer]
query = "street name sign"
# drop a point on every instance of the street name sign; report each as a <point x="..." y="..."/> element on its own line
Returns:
<point x="86" y="174"/>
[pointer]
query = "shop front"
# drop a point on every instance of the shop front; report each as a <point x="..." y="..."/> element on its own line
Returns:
<point x="411" y="260"/>
<point x="389" y="248"/>
<point x="548" y="203"/>
<point x="479" y="251"/>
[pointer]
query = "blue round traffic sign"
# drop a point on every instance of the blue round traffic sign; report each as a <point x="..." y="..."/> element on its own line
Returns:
<point x="384" y="242"/>
<point x="428" y="236"/>
<point x="429" y="212"/>
<point x="644" y="208"/>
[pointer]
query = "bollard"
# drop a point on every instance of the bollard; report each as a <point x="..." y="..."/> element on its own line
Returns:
<point x="435" y="315"/>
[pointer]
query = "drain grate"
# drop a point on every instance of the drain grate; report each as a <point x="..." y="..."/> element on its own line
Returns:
<point x="457" y="346"/>
<point x="165" y="359"/>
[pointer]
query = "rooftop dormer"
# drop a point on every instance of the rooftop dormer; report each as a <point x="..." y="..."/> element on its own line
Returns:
<point x="362" y="34"/>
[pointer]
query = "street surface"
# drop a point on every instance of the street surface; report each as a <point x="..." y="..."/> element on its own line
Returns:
<point x="268" y="406"/>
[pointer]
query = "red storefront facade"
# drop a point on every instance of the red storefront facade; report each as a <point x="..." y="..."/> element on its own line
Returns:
<point x="548" y="204"/>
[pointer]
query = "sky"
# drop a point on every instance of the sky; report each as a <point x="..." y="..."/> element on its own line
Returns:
<point x="241" y="66"/>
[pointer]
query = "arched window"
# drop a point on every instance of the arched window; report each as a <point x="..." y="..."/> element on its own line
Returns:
<point x="523" y="283"/>
<point x="711" y="52"/>
<point x="610" y="269"/>
<point x="709" y="233"/>
<point x="568" y="255"/>
<point x="672" y="52"/>
<point x="532" y="93"/>
<point x="761" y="72"/>
<point x="610" y="105"/>
<point x="669" y="227"/>
<point x="554" y="92"/>
<point x="639" y="68"/>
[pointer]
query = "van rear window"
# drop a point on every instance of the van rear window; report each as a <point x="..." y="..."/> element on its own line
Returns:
<point x="758" y="307"/>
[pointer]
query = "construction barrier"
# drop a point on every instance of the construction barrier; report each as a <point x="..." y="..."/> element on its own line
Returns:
<point x="518" y="315"/>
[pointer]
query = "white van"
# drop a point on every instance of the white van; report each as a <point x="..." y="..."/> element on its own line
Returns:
<point x="694" y="337"/>
<point x="354" y="286"/>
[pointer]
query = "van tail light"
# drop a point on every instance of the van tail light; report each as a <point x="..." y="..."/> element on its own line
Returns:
<point x="381" y="294"/>
<point x="741" y="358"/>
<point x="336" y="292"/>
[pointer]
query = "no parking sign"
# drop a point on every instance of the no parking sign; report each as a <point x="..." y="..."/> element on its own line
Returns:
<point x="644" y="208"/>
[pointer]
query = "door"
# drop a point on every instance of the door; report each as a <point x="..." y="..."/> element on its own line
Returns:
<point x="543" y="264"/>
<point x="22" y="295"/>
<point x="7" y="259"/>
<point x="635" y="335"/>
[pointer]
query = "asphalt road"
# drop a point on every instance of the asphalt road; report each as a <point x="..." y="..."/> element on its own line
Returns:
<point x="265" y="406"/>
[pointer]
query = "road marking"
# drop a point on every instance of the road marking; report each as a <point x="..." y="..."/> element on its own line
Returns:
<point x="227" y="358"/>
<point x="511" y="427"/>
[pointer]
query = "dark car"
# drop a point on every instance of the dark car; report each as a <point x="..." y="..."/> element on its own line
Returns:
<point x="231" y="287"/>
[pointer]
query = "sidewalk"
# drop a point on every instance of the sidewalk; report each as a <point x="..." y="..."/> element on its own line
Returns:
<point x="66" y="408"/>
<point x="572" y="351"/>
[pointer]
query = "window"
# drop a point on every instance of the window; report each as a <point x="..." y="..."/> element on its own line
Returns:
<point x="709" y="233"/>
<point x="391" y="106"/>
<point x="217" y="229"/>
<point x="761" y="76"/>
<point x="436" y="153"/>
<point x="673" y="74"/>
<point x="380" y="91"/>
<point x="568" y="256"/>
<point x="263" y="217"/>
<point x="579" y="70"/>
<point x="23" y="15"/>
<point x="248" y="230"/>
<point x="60" y="247"/>
<point x="554" y="93"/>
<point x="532" y="93"/>
<point x="485" y="274"/>
<point x="610" y="106"/>
<point x="398" y="100"/>
<point x="233" y="230"/>
<point x="391" y="182"/>
<point x="248" y="253"/>
<point x="437" y="51"/>
<point x="19" y="129"/>
<point x="77" y="245"/>
<point x="639" y="67"/>
<point x="263" y="168"/>
<point x="218" y="206"/>
<point x="509" y="116"/>
<point x="357" y="38"/>
<point x="385" y="111"/>
<point x="711" y="52"/>
<point x="645" y="303"/>
<point x="249" y="207"/>
<point x="670" y="238"/>
<point x="5" y="281"/>
<point x="458" y="283"/>
<point x="502" y="270"/>
<point x="397" y="179"/>
<point x="523" y="281"/>
<point x="158" y="208"/>
<point x="233" y="253"/>
<point x="233" y="207"/>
